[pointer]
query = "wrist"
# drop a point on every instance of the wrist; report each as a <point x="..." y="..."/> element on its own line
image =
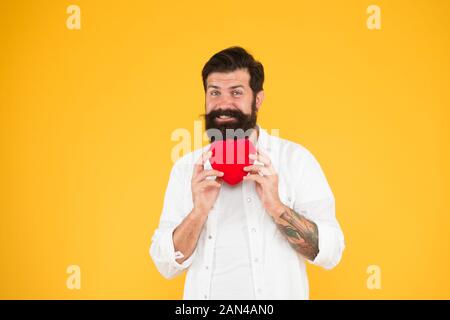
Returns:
<point x="277" y="210"/>
<point x="199" y="212"/>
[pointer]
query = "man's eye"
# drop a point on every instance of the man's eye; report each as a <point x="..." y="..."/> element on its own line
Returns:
<point x="215" y="93"/>
<point x="237" y="93"/>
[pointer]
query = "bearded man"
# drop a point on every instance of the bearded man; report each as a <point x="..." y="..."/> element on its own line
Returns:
<point x="248" y="240"/>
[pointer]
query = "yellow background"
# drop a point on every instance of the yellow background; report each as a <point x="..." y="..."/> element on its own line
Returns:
<point x="86" y="118"/>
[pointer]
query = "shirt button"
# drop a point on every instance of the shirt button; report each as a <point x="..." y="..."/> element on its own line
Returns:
<point x="207" y="268"/>
<point x="249" y="199"/>
<point x="210" y="237"/>
<point x="254" y="230"/>
<point x="259" y="290"/>
<point x="256" y="260"/>
<point x="206" y="297"/>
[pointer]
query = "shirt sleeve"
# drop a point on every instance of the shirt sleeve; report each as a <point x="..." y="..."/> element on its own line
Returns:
<point x="177" y="204"/>
<point x="317" y="203"/>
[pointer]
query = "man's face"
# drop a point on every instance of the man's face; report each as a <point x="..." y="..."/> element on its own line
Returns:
<point x="230" y="102"/>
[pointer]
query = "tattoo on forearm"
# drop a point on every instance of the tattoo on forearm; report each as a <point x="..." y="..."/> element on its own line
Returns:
<point x="301" y="233"/>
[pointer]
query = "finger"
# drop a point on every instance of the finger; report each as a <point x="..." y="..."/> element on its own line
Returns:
<point x="255" y="177"/>
<point x="262" y="152"/>
<point x="209" y="173"/>
<point x="210" y="184"/>
<point x="261" y="158"/>
<point x="198" y="167"/>
<point x="264" y="158"/>
<point x="253" y="168"/>
<point x="258" y="169"/>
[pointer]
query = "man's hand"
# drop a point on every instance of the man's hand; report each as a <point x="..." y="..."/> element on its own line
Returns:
<point x="205" y="191"/>
<point x="266" y="180"/>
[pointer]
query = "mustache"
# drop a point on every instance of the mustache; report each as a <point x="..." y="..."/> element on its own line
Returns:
<point x="235" y="113"/>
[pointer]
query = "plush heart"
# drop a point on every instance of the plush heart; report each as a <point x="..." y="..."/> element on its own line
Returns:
<point x="231" y="156"/>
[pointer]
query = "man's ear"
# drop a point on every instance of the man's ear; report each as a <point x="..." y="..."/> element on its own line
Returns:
<point x="259" y="99"/>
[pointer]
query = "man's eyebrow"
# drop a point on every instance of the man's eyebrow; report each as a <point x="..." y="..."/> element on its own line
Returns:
<point x="232" y="87"/>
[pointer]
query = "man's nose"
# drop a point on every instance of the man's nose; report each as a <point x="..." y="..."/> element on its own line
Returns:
<point x="226" y="102"/>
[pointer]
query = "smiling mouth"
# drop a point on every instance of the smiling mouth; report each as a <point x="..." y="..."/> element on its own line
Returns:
<point x="224" y="118"/>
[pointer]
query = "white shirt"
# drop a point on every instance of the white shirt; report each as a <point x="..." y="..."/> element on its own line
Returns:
<point x="278" y="271"/>
<point x="231" y="270"/>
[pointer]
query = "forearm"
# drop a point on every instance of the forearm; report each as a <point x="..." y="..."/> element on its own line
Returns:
<point x="186" y="235"/>
<point x="301" y="233"/>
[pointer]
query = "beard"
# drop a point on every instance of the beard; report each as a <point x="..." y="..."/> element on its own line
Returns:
<point x="241" y="126"/>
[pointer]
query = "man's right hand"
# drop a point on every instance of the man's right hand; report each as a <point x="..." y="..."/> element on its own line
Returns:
<point x="205" y="191"/>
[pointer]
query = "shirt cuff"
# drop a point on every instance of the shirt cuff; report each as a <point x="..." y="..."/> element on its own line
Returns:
<point x="172" y="255"/>
<point x="330" y="247"/>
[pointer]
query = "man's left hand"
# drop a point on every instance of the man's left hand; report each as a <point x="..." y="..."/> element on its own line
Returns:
<point x="266" y="180"/>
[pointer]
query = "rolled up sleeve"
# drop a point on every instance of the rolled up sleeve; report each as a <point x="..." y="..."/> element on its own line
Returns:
<point x="331" y="246"/>
<point x="317" y="203"/>
<point x="176" y="207"/>
<point x="163" y="253"/>
<point x="331" y="238"/>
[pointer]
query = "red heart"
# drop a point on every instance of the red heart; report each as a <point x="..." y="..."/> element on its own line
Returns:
<point x="231" y="156"/>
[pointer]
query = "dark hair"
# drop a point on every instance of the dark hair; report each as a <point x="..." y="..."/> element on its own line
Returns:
<point x="232" y="59"/>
